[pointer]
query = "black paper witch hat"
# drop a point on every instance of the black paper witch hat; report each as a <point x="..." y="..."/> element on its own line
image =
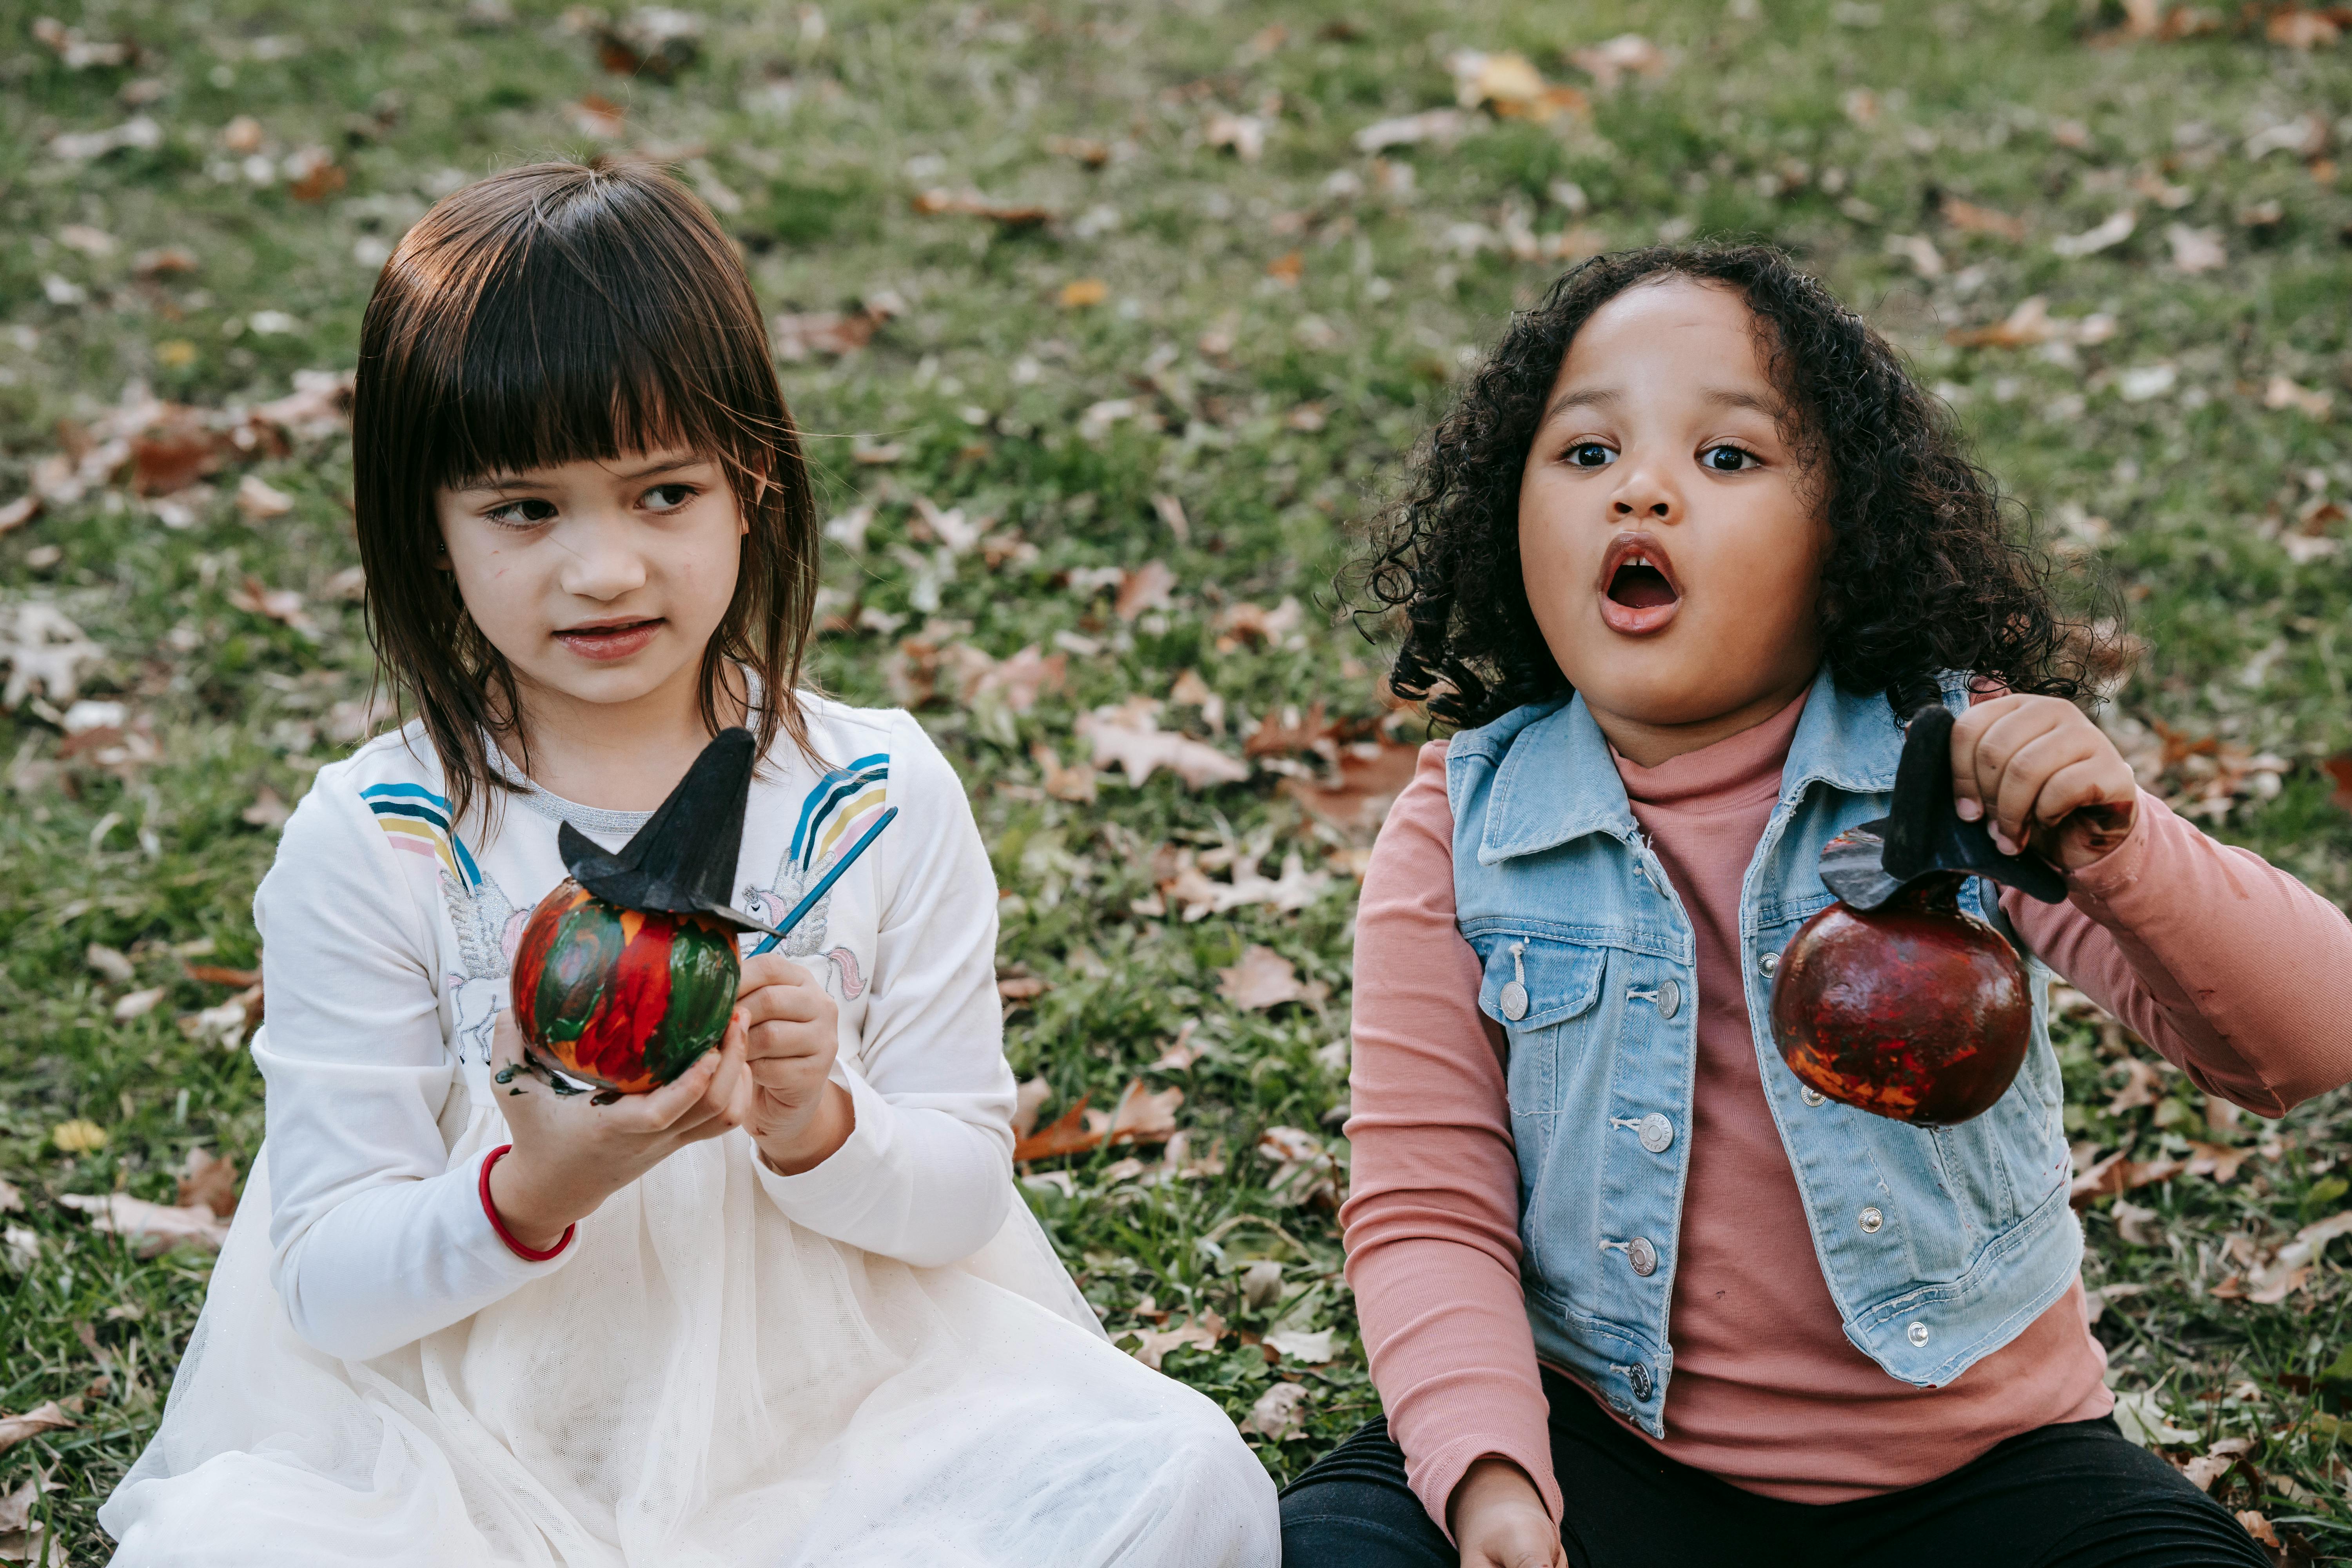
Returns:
<point x="1922" y="835"/>
<point x="682" y="861"/>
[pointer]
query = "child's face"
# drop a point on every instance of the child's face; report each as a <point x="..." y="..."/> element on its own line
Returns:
<point x="600" y="581"/>
<point x="1671" y="539"/>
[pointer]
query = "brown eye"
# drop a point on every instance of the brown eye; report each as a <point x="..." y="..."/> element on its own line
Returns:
<point x="1590" y="455"/>
<point x="668" y="498"/>
<point x="1727" y="459"/>
<point x="528" y="512"/>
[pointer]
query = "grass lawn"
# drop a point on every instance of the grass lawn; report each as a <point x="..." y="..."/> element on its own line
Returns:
<point x="1123" y="392"/>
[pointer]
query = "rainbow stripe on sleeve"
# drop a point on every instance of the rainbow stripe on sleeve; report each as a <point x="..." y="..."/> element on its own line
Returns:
<point x="417" y="821"/>
<point x="844" y="804"/>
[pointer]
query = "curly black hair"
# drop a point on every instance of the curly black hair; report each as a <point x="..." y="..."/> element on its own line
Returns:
<point x="1922" y="573"/>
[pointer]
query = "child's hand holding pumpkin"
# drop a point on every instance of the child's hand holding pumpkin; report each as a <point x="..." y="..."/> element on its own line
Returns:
<point x="799" y="1115"/>
<point x="573" y="1152"/>
<point x="2047" y="776"/>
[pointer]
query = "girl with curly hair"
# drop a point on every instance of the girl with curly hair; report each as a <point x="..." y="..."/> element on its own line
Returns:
<point x="1632" y="1292"/>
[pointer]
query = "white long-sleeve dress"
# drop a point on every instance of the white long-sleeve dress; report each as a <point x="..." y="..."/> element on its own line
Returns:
<point x="877" y="1362"/>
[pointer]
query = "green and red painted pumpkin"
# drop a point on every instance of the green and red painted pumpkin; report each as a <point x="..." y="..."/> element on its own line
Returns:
<point x="625" y="999"/>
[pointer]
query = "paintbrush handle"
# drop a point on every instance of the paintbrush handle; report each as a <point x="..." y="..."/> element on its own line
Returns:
<point x="808" y="900"/>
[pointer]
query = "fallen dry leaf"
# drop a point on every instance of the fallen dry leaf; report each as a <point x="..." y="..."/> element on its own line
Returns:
<point x="1192" y="691"/>
<point x="2297" y="29"/>
<point x="1244" y="622"/>
<point x="1081" y="293"/>
<point x="155" y="1227"/>
<point x="971" y="204"/>
<point x="1607" y="64"/>
<point x="2143" y="1085"/>
<point x="2105" y="236"/>
<point x="2283" y="393"/>
<point x="1027" y="1100"/>
<point x="1261" y="979"/>
<point x="2196" y="249"/>
<point x="1182" y="1053"/>
<point x="1203" y="1332"/>
<point x="2216" y="1160"/>
<point x="1128" y="736"/>
<point x="209" y="1180"/>
<point x="2031" y="323"/>
<point x="48" y="1418"/>
<point x="2259" y="1528"/>
<point x="595" y="115"/>
<point x="80" y="1136"/>
<point x="1167" y="508"/>
<point x="1312" y="1346"/>
<point x="1143" y="1117"/>
<point x="11" y="1201"/>
<point x="1371" y="774"/>
<point x="1075" y="784"/>
<point x="1303" y="1171"/>
<point x="268" y="810"/>
<point x="1286" y="729"/>
<point x="1508" y="85"/>
<point x="1243" y="136"/>
<point x="1440" y="125"/>
<point x="1146" y="587"/>
<point x="1279" y="1413"/>
<point x="259" y="500"/>
<point x="829" y="332"/>
<point x="1970" y="218"/>
<point x="2132" y="1223"/>
<point x="1200" y="896"/>
<point x="283" y="605"/>
<point x="1094" y="154"/>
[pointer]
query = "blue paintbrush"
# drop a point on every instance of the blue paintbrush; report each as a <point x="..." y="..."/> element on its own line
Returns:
<point x="808" y="902"/>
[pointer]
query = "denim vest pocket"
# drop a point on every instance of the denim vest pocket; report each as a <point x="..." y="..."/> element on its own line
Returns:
<point x="1541" y="990"/>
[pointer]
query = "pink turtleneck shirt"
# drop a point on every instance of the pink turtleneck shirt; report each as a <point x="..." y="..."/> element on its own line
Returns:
<point x="2230" y="968"/>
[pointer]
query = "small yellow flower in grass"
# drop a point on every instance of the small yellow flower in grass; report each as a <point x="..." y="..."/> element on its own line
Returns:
<point x="176" y="353"/>
<point x="78" y="1137"/>
<point x="1082" y="292"/>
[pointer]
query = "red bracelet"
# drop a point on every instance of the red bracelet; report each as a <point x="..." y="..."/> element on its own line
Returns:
<point x="492" y="1209"/>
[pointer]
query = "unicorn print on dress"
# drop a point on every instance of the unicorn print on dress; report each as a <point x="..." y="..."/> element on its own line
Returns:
<point x="839" y="808"/>
<point x="416" y="821"/>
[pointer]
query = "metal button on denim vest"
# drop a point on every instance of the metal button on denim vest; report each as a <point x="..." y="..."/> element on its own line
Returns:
<point x="1939" y="1244"/>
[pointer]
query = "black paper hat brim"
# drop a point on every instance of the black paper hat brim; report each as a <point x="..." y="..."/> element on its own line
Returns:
<point x="682" y="861"/>
<point x="1923" y="836"/>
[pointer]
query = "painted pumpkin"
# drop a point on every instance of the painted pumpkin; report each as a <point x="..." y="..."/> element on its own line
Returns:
<point x="622" y="998"/>
<point x="1915" y="1010"/>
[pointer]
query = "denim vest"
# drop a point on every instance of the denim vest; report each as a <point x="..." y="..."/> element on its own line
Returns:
<point x="1939" y="1244"/>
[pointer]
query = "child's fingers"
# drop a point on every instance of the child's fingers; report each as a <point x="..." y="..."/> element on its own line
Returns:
<point x="1971" y="781"/>
<point x="664" y="1108"/>
<point x="781" y="1002"/>
<point x="771" y="969"/>
<point x="2025" y="772"/>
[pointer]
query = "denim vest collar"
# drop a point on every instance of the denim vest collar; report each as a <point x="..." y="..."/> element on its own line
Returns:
<point x="1559" y="781"/>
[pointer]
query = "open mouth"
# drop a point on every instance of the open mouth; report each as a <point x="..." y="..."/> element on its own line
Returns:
<point x="1639" y="585"/>
<point x="1639" y="591"/>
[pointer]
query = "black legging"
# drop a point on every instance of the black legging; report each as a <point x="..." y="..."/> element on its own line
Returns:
<point x="2077" y="1495"/>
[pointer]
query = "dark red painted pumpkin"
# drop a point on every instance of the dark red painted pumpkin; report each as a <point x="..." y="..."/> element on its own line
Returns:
<point x="622" y="998"/>
<point x="1915" y="1010"/>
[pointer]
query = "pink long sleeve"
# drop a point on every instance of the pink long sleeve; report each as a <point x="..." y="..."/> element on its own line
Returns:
<point x="1432" y="1215"/>
<point x="2230" y="967"/>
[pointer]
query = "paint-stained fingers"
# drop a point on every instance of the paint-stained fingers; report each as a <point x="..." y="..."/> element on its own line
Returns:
<point x="1967" y="737"/>
<point x="679" y="1104"/>
<point x="2024" y="772"/>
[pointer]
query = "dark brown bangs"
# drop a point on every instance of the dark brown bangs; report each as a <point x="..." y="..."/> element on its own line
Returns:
<point x="561" y="313"/>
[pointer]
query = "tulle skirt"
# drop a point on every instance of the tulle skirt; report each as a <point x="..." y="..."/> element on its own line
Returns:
<point x="706" y="1383"/>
